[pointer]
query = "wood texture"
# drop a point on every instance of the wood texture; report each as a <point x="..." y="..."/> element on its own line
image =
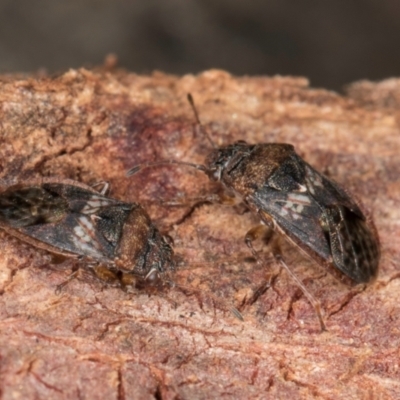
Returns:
<point x="96" y="341"/>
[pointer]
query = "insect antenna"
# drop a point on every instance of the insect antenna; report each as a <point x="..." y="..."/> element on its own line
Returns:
<point x="267" y="234"/>
<point x="134" y="170"/>
<point x="198" y="122"/>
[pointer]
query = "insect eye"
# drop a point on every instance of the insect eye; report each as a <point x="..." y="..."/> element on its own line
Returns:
<point x="214" y="173"/>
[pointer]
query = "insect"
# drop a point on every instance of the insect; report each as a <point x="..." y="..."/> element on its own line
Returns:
<point x="291" y="197"/>
<point x="65" y="217"/>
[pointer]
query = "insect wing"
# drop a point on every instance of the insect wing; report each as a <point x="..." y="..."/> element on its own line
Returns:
<point x="355" y="249"/>
<point x="298" y="215"/>
<point x="80" y="222"/>
<point x="354" y="245"/>
<point x="25" y="206"/>
<point x="321" y="218"/>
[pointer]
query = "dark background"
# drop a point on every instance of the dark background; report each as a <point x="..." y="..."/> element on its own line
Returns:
<point x="332" y="42"/>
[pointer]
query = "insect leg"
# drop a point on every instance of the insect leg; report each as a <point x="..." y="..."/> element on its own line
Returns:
<point x="118" y="278"/>
<point x="258" y="232"/>
<point x="267" y="234"/>
<point x="74" y="273"/>
<point x="105" y="187"/>
<point x="105" y="274"/>
<point x="255" y="233"/>
<point x="78" y="269"/>
<point x="314" y="302"/>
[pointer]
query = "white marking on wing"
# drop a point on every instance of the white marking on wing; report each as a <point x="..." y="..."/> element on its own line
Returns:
<point x="294" y="206"/>
<point x="302" y="188"/>
<point x="314" y="178"/>
<point x="283" y="211"/>
<point x="95" y="204"/>
<point x="85" y="236"/>
<point x="298" y="198"/>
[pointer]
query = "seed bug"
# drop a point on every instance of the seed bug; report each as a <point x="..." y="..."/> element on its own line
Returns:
<point x="117" y="240"/>
<point x="72" y="219"/>
<point x="291" y="197"/>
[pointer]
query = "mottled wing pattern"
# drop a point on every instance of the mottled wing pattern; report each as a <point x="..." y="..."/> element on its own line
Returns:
<point x="354" y="246"/>
<point x="32" y="205"/>
<point x="327" y="192"/>
<point x="66" y="217"/>
<point x="298" y="215"/>
<point x="355" y="250"/>
<point x="319" y="216"/>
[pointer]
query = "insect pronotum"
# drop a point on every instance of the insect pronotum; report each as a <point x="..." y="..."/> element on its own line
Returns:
<point x="287" y="194"/>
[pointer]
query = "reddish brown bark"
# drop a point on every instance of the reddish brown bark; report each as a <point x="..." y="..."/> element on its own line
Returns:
<point x="96" y="341"/>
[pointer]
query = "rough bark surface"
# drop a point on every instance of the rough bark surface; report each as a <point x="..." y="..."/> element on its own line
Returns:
<point x="97" y="341"/>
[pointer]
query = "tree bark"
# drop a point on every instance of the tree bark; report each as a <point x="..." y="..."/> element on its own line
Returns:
<point x="98" y="341"/>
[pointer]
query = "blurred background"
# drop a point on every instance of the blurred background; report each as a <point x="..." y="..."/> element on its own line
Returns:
<point x="330" y="42"/>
